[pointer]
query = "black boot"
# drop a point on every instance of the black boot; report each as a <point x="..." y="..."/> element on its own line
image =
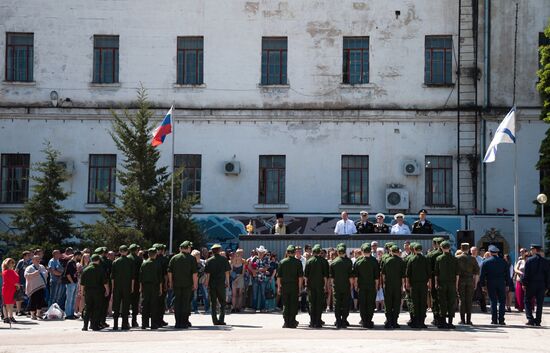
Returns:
<point x="86" y="323"/>
<point x="395" y="324"/>
<point x="469" y="319"/>
<point x="440" y="323"/>
<point x="462" y="320"/>
<point x="134" y="321"/>
<point x="450" y="323"/>
<point x="144" y="322"/>
<point x="125" y="323"/>
<point x="115" y="322"/>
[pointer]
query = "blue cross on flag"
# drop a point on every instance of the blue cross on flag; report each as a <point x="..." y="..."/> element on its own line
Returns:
<point x="506" y="133"/>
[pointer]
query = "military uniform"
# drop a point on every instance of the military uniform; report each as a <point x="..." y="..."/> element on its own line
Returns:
<point x="122" y="276"/>
<point x="418" y="274"/>
<point x="135" y="295"/>
<point x="422" y="228"/>
<point x="367" y="273"/>
<point x="380" y="228"/>
<point x="467" y="270"/>
<point x="495" y="275"/>
<point x="446" y="272"/>
<point x="536" y="280"/>
<point x="316" y="272"/>
<point x="432" y="256"/>
<point x="364" y="227"/>
<point x="93" y="280"/>
<point x="150" y="277"/>
<point x="162" y="262"/>
<point x="217" y="267"/>
<point x="393" y="271"/>
<point x="183" y="268"/>
<point x="289" y="276"/>
<point x="106" y="264"/>
<point x="341" y="271"/>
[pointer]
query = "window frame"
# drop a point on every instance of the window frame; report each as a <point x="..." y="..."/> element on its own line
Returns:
<point x="347" y="60"/>
<point x="92" y="198"/>
<point x="282" y="63"/>
<point x="345" y="198"/>
<point x="184" y="193"/>
<point x="29" y="63"/>
<point x="199" y="65"/>
<point x="24" y="179"/>
<point x="263" y="183"/>
<point x="431" y="71"/>
<point x="429" y="183"/>
<point x="115" y="64"/>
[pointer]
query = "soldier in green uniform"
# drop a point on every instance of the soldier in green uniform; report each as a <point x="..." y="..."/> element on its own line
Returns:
<point x="468" y="272"/>
<point x="94" y="289"/>
<point x="316" y="277"/>
<point x="183" y="279"/>
<point x="408" y="300"/>
<point x="289" y="286"/>
<point x="387" y="253"/>
<point x="418" y="274"/>
<point x="393" y="273"/>
<point x="150" y="278"/>
<point x="162" y="262"/>
<point x="106" y="265"/>
<point x="134" y="296"/>
<point x="367" y="274"/>
<point x="217" y="280"/>
<point x="341" y="272"/>
<point x="122" y="285"/>
<point x="432" y="256"/>
<point x="446" y="278"/>
<point x="422" y="225"/>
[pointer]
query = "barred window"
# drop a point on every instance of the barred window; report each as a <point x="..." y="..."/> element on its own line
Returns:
<point x="274" y="58"/>
<point x="101" y="177"/>
<point x="105" y="59"/>
<point x="356" y="60"/>
<point x="439" y="181"/>
<point x="355" y="180"/>
<point x="15" y="178"/>
<point x="271" y="188"/>
<point x="19" y="57"/>
<point x="190" y="60"/>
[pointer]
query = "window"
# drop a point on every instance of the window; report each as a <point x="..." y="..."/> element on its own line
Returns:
<point x="102" y="177"/>
<point x="355" y="180"/>
<point x="105" y="59"/>
<point x="19" y="57"/>
<point x="191" y="176"/>
<point x="439" y="181"/>
<point x="274" y="52"/>
<point x="190" y="60"/>
<point x="439" y="56"/>
<point x="272" y="180"/>
<point x="15" y="178"/>
<point x="356" y="60"/>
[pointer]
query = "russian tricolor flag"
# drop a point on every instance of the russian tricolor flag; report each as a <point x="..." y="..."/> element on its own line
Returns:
<point x="165" y="128"/>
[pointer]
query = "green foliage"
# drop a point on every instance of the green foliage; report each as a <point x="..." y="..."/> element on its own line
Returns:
<point x="43" y="219"/>
<point x="142" y="212"/>
<point x="543" y="87"/>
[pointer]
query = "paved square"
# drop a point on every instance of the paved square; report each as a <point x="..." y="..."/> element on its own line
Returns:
<point x="263" y="333"/>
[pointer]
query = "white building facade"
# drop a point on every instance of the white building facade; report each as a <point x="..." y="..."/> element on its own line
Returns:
<point x="322" y="106"/>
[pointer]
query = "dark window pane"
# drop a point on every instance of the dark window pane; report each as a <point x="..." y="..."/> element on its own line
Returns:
<point x="19" y="57"/>
<point x="101" y="177"/>
<point x="439" y="180"/>
<point x="105" y="59"/>
<point x="190" y="60"/>
<point x="354" y="180"/>
<point x="438" y="60"/>
<point x="271" y="185"/>
<point x="274" y="61"/>
<point x="191" y="176"/>
<point x="14" y="175"/>
<point x="356" y="60"/>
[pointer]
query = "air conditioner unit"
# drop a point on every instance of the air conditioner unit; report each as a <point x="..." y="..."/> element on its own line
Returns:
<point x="232" y="168"/>
<point x="411" y="167"/>
<point x="397" y="199"/>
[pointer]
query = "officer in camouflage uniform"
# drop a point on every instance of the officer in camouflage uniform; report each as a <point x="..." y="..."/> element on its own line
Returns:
<point x="418" y="274"/>
<point x="289" y="285"/>
<point x="468" y="271"/>
<point x="393" y="273"/>
<point x="122" y="283"/>
<point x="446" y="277"/>
<point x="183" y="279"/>
<point x="94" y="289"/>
<point x="217" y="280"/>
<point x="367" y="273"/>
<point x="432" y="256"/>
<point x="316" y="277"/>
<point x="134" y="296"/>
<point x="341" y="272"/>
<point x="150" y="277"/>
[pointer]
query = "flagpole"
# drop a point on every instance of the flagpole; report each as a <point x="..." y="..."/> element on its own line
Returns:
<point x="172" y="186"/>
<point x="516" y="208"/>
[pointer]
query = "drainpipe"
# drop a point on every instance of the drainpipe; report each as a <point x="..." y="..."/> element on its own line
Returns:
<point x="486" y="98"/>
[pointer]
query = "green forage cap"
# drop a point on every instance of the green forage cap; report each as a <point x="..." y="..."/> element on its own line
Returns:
<point x="365" y="247"/>
<point x="440" y="240"/>
<point x="133" y="247"/>
<point x="98" y="250"/>
<point x="316" y="248"/>
<point x="95" y="257"/>
<point x="394" y="248"/>
<point x="215" y="246"/>
<point x="418" y="247"/>
<point x="152" y="250"/>
<point x="341" y="245"/>
<point x="123" y="248"/>
<point x="445" y="244"/>
<point x="388" y="245"/>
<point x="341" y="248"/>
<point x="186" y="244"/>
<point x="291" y="248"/>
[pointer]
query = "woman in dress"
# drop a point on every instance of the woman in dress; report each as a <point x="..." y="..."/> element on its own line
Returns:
<point x="10" y="283"/>
<point x="518" y="275"/>
<point x="35" y="274"/>
<point x="238" y="264"/>
<point x="85" y="261"/>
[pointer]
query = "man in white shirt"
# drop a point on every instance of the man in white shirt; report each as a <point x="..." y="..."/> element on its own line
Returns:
<point x="400" y="228"/>
<point x="345" y="225"/>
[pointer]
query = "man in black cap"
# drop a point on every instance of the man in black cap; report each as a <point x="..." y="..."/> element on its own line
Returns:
<point x="495" y="278"/>
<point x="134" y="296"/>
<point x="363" y="225"/>
<point x="422" y="226"/>
<point x="279" y="227"/>
<point x="217" y="281"/>
<point x="535" y="281"/>
<point x="122" y="284"/>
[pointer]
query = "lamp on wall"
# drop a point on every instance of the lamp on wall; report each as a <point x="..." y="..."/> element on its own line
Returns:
<point x="54" y="98"/>
<point x="542" y="199"/>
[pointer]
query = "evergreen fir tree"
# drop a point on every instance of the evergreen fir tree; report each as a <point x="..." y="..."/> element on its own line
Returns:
<point x="43" y="219"/>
